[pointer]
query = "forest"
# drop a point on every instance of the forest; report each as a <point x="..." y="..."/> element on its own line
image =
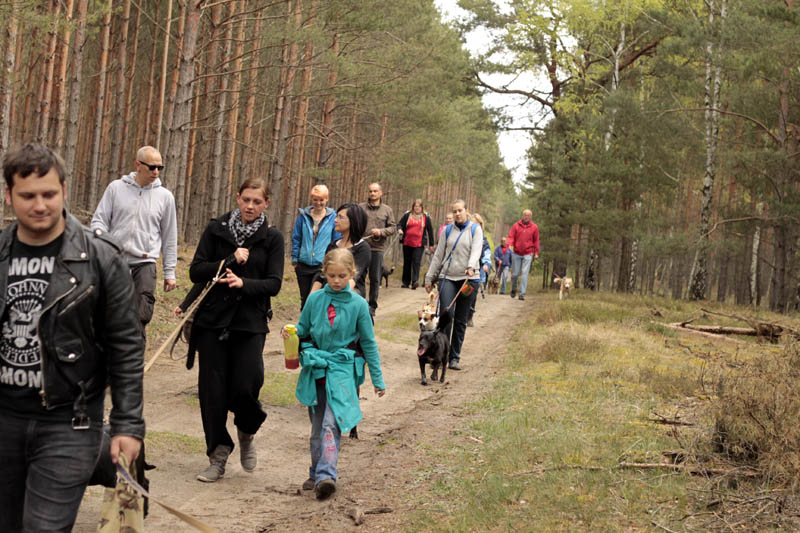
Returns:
<point x="663" y="155"/>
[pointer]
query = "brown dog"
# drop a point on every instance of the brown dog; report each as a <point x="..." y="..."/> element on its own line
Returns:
<point x="494" y="285"/>
<point x="566" y="286"/>
<point x="427" y="315"/>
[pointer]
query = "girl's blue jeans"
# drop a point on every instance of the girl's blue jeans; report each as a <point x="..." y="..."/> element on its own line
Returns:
<point x="325" y="438"/>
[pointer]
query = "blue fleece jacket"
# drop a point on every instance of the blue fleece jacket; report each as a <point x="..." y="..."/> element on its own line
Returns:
<point x="331" y="358"/>
<point x="306" y="249"/>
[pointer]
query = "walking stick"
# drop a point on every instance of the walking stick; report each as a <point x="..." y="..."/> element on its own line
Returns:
<point x="187" y="315"/>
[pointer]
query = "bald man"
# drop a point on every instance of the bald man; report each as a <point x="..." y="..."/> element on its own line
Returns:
<point x="140" y="214"/>
<point x="523" y="239"/>
<point x="380" y="226"/>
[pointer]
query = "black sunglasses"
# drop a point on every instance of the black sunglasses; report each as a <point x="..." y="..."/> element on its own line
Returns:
<point x="152" y="167"/>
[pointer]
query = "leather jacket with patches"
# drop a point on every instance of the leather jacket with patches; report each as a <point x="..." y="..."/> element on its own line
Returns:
<point x="89" y="332"/>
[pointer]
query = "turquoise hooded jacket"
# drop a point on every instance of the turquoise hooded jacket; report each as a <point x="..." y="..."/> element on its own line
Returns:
<point x="331" y="358"/>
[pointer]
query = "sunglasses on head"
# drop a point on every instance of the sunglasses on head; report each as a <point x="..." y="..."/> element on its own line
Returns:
<point x="152" y="167"/>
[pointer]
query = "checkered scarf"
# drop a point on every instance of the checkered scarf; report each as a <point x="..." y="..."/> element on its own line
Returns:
<point x="241" y="231"/>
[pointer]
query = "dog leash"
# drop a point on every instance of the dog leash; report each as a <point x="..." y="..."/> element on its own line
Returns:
<point x="187" y="315"/>
<point x="189" y="519"/>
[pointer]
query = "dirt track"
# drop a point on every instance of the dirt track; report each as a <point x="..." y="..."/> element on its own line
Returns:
<point x="376" y="472"/>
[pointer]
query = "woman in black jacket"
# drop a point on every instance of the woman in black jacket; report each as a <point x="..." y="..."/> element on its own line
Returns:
<point x="231" y="324"/>
<point x="351" y="223"/>
<point x="416" y="233"/>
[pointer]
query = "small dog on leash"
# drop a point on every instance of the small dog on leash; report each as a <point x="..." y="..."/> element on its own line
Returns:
<point x="494" y="285"/>
<point x="427" y="315"/>
<point x="386" y="272"/>
<point x="433" y="348"/>
<point x="565" y="286"/>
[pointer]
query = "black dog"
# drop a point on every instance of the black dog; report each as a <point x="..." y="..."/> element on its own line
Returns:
<point x="434" y="349"/>
<point x="386" y="272"/>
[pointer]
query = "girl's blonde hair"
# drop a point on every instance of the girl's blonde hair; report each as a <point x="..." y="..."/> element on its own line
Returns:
<point x="319" y="190"/>
<point x="339" y="256"/>
<point x="478" y="219"/>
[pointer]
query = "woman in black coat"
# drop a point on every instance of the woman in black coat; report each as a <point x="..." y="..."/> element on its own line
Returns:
<point x="351" y="223"/>
<point x="231" y="324"/>
<point x="416" y="233"/>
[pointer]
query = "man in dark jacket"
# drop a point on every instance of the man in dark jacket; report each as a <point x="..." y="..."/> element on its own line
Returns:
<point x="69" y="328"/>
<point x="502" y="261"/>
<point x="380" y="226"/>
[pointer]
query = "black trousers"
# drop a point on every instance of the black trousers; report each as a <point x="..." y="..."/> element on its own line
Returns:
<point x="144" y="286"/>
<point x="375" y="270"/>
<point x="412" y="257"/>
<point x="305" y="279"/>
<point x="230" y="378"/>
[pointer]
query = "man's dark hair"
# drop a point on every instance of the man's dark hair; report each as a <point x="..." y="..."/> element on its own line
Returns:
<point x="30" y="158"/>
<point x="358" y="220"/>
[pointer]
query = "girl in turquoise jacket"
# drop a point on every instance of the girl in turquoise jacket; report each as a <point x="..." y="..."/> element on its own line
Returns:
<point x="333" y="318"/>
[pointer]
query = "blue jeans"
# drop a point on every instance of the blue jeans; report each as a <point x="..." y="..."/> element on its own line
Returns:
<point x="325" y="438"/>
<point x="505" y="273"/>
<point x="460" y="312"/>
<point x="520" y="267"/>
<point x="45" y="468"/>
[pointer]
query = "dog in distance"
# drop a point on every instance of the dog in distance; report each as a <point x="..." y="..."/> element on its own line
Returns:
<point x="565" y="285"/>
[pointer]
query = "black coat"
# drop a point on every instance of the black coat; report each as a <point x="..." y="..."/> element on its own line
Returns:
<point x="244" y="309"/>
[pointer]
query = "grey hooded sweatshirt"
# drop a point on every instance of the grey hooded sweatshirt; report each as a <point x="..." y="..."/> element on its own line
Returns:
<point x="142" y="220"/>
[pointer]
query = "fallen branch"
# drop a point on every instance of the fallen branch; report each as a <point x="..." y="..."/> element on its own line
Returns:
<point x="732" y="330"/>
<point x="696" y="470"/>
<point x="767" y="327"/>
<point x="677" y="326"/>
<point x="669" y="422"/>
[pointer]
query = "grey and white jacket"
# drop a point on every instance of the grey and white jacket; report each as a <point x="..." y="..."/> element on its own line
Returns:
<point x="466" y="254"/>
<point x="142" y="220"/>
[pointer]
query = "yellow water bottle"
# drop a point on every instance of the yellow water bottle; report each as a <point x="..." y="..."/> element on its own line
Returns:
<point x="291" y="344"/>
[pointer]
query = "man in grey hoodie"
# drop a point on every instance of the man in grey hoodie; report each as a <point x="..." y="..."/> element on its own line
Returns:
<point x="140" y="214"/>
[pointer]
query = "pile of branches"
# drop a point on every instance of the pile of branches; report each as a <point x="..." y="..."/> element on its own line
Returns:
<point x="763" y="330"/>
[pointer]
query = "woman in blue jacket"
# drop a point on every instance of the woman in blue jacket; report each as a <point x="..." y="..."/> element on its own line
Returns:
<point x="313" y="232"/>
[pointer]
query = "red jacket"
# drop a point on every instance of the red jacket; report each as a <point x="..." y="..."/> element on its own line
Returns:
<point x="524" y="238"/>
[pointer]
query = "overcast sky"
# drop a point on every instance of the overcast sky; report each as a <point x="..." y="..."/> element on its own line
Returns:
<point x="513" y="144"/>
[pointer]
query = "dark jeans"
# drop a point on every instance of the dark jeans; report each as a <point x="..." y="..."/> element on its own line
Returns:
<point x="412" y="257"/>
<point x="144" y="287"/>
<point x="375" y="269"/>
<point x="460" y="312"/>
<point x="305" y="279"/>
<point x="45" y="468"/>
<point x="230" y="378"/>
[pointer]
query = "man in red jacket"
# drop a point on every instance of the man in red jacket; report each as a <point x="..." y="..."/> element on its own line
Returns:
<point x="523" y="239"/>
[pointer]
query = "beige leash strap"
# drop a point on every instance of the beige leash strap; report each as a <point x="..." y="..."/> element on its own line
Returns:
<point x="192" y="521"/>
<point x="186" y="315"/>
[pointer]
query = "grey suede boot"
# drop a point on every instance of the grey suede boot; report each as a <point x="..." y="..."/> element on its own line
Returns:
<point x="247" y="451"/>
<point x="216" y="468"/>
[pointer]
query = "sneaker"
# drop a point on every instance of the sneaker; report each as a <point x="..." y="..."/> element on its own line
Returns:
<point x="470" y="324"/>
<point x="454" y="365"/>
<point x="309" y="484"/>
<point x="403" y="286"/>
<point x="247" y="451"/>
<point x="325" y="488"/>
<point x="513" y="293"/>
<point x="216" y="468"/>
<point x="521" y="296"/>
<point x="414" y="286"/>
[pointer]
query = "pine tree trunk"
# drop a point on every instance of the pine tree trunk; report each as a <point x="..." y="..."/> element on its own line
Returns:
<point x="75" y="99"/>
<point x="101" y="97"/>
<point x="219" y="128"/>
<point x="173" y="84"/>
<point x="129" y="101"/>
<point x="233" y="119"/>
<point x="9" y="65"/>
<point x="176" y="161"/>
<point x="147" y="129"/>
<point x="323" y="153"/>
<point x="163" y="88"/>
<point x="119" y="100"/>
<point x="49" y="72"/>
<point x="61" y="117"/>
<point x="246" y="159"/>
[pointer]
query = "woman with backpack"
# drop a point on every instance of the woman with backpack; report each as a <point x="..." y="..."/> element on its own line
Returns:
<point x="456" y="267"/>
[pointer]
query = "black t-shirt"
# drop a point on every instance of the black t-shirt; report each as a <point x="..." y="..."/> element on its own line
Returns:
<point x="29" y="271"/>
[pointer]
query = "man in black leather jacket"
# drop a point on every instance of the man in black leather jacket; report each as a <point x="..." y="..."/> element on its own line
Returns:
<point x="69" y="328"/>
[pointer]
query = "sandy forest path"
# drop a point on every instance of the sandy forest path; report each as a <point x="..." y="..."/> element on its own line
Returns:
<point x="376" y="473"/>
